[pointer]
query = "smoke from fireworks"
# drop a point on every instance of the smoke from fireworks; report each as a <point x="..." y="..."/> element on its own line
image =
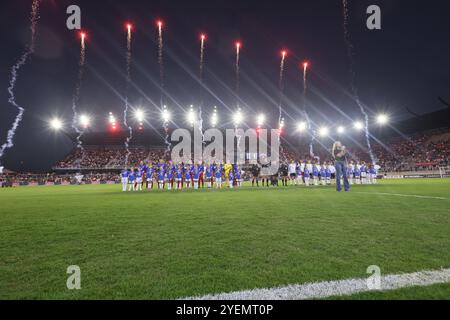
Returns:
<point x="166" y="119"/>
<point x="76" y="96"/>
<point x="125" y="112"/>
<point x="350" y="53"/>
<point x="14" y="76"/>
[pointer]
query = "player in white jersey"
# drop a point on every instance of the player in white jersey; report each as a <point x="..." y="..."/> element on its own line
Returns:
<point x="363" y="173"/>
<point x="124" y="178"/>
<point x="376" y="169"/>
<point x="332" y="171"/>
<point x="350" y="172"/>
<point x="292" y="171"/>
<point x="309" y="166"/>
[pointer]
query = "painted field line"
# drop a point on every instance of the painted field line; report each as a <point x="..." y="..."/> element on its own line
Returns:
<point x="326" y="289"/>
<point x="404" y="195"/>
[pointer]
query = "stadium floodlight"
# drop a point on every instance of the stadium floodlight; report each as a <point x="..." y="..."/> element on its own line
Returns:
<point x="214" y="118"/>
<point x="340" y="130"/>
<point x="139" y="115"/>
<point x="382" y="119"/>
<point x="238" y="118"/>
<point x="302" y="126"/>
<point x="111" y="119"/>
<point x="282" y="123"/>
<point x="165" y="115"/>
<point x="191" y="116"/>
<point x="323" y="131"/>
<point x="358" y="125"/>
<point x="85" y="120"/>
<point x="56" y="124"/>
<point x="260" y="120"/>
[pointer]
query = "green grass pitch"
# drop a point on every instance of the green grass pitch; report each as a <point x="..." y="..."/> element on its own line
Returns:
<point x="166" y="245"/>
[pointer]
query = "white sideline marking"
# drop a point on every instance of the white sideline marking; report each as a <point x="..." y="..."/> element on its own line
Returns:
<point x="333" y="288"/>
<point x="404" y="195"/>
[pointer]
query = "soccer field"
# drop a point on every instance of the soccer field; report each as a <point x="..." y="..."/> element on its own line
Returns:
<point x="167" y="245"/>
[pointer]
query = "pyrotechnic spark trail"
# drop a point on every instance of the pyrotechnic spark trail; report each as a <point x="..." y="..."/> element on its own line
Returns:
<point x="281" y="82"/>
<point x="161" y="55"/>
<point x="238" y="70"/>
<point x="202" y="65"/>
<point x="76" y="96"/>
<point x="202" y="55"/>
<point x="350" y="53"/>
<point x="305" y="108"/>
<point x="125" y="112"/>
<point x="14" y="76"/>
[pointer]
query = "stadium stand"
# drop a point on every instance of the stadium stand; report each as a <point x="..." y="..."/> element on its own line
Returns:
<point x="423" y="152"/>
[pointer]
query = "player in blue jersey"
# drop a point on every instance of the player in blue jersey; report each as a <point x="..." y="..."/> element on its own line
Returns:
<point x="208" y="175"/>
<point x="196" y="176"/>
<point x="306" y="175"/>
<point x="188" y="177"/>
<point x="131" y="181"/>
<point x="238" y="177"/>
<point x="231" y="178"/>
<point x="149" y="171"/>
<point x="315" y="174"/>
<point x="161" y="176"/>
<point x="191" y="171"/>
<point x="170" y="177"/>
<point x="179" y="177"/>
<point x="138" y="174"/>
<point x="218" y="176"/>
<point x="371" y="174"/>
<point x="299" y="172"/>
<point x="124" y="178"/>
<point x="171" y="169"/>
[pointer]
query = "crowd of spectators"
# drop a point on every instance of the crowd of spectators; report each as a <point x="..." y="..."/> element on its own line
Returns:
<point x="101" y="157"/>
<point x="422" y="151"/>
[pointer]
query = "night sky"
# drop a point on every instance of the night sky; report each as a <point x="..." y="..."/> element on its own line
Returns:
<point x="406" y="65"/>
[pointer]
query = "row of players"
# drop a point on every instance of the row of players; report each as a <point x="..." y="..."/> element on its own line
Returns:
<point x="195" y="175"/>
<point x="180" y="176"/>
<point x="357" y="173"/>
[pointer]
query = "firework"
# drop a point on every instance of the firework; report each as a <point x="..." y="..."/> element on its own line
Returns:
<point x="305" y="66"/>
<point x="129" y="28"/>
<point x="76" y="95"/>
<point x="14" y="76"/>
<point x="160" y="25"/>
<point x="354" y="89"/>
<point x="202" y="54"/>
<point x="238" y="71"/>
<point x="281" y="78"/>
